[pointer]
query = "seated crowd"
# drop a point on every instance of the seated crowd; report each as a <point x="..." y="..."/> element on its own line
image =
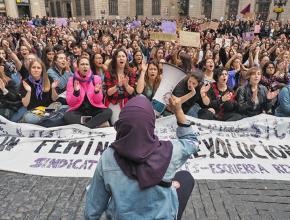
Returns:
<point x="92" y="72"/>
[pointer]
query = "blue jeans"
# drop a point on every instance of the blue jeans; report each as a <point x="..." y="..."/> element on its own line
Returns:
<point x="193" y="111"/>
<point x="31" y="118"/>
<point x="19" y="114"/>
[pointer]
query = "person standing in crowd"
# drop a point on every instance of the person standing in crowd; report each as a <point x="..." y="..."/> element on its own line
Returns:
<point x="85" y="98"/>
<point x="131" y="159"/>
<point x="119" y="83"/>
<point x="254" y="98"/>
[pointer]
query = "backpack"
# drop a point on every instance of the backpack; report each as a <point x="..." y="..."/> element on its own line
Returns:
<point x="54" y="119"/>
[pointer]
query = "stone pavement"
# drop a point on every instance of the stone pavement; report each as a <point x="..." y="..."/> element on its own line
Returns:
<point x="36" y="197"/>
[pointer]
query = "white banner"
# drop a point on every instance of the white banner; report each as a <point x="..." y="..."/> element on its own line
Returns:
<point x="253" y="148"/>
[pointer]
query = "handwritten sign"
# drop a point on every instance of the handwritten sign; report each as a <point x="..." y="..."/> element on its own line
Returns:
<point x="189" y="39"/>
<point x="162" y="36"/>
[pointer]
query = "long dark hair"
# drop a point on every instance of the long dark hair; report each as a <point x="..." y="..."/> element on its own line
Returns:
<point x="264" y="70"/>
<point x="44" y="57"/>
<point x="158" y="78"/>
<point x="113" y="64"/>
<point x="92" y="63"/>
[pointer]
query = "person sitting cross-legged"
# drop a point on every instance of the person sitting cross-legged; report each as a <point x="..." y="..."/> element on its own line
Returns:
<point x="85" y="98"/>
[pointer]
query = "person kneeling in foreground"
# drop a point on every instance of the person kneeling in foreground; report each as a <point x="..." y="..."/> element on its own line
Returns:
<point x="136" y="176"/>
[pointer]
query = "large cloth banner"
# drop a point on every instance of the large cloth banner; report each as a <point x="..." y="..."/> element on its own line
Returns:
<point x="253" y="148"/>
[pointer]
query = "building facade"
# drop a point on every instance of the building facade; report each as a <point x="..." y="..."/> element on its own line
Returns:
<point x="214" y="9"/>
<point x="22" y="8"/>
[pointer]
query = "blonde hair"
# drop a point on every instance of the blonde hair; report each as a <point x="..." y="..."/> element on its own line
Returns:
<point x="3" y="76"/>
<point x="46" y="82"/>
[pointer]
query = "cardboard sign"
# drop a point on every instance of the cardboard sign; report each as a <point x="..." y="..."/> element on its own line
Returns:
<point x="213" y="25"/>
<point x="204" y="26"/>
<point x="74" y="25"/>
<point x="162" y="36"/>
<point x="189" y="39"/>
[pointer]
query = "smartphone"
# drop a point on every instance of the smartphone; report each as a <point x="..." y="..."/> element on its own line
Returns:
<point x="85" y="119"/>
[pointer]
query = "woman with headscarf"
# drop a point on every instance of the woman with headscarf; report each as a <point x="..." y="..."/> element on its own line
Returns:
<point x="133" y="179"/>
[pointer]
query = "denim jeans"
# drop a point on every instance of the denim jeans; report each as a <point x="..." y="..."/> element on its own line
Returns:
<point x="19" y="114"/>
<point x="193" y="111"/>
<point x="31" y="118"/>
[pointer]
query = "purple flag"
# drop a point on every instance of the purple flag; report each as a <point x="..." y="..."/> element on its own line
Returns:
<point x="134" y="24"/>
<point x="61" y="22"/>
<point x="168" y="27"/>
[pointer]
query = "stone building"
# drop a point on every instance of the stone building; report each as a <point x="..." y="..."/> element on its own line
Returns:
<point x="21" y="8"/>
<point x="214" y="9"/>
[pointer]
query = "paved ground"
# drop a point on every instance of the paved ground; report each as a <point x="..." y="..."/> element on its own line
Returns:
<point x="35" y="197"/>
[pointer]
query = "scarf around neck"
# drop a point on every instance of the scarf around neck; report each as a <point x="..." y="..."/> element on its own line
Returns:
<point x="38" y="85"/>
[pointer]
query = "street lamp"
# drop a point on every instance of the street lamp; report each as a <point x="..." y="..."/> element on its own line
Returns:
<point x="279" y="9"/>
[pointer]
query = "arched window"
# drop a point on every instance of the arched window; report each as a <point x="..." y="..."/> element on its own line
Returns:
<point x="207" y="7"/>
<point x="139" y="7"/>
<point x="113" y="7"/>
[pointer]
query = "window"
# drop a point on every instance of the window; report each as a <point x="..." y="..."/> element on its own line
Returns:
<point x="233" y="8"/>
<point x="52" y="9"/>
<point x="183" y="7"/>
<point x="58" y="9"/>
<point x="139" y="7"/>
<point x="263" y="9"/>
<point x="207" y="7"/>
<point x="113" y="7"/>
<point x="78" y="7"/>
<point x="156" y="7"/>
<point x="87" y="7"/>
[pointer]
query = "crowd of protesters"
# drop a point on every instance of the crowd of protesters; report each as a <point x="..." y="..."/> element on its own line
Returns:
<point x="89" y="73"/>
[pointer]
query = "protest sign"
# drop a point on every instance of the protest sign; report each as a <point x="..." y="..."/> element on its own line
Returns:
<point x="189" y="39"/>
<point x="61" y="22"/>
<point x="253" y="148"/>
<point x="171" y="76"/>
<point x="213" y="25"/>
<point x="162" y="36"/>
<point x="168" y="27"/>
<point x="74" y="25"/>
<point x="204" y="26"/>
